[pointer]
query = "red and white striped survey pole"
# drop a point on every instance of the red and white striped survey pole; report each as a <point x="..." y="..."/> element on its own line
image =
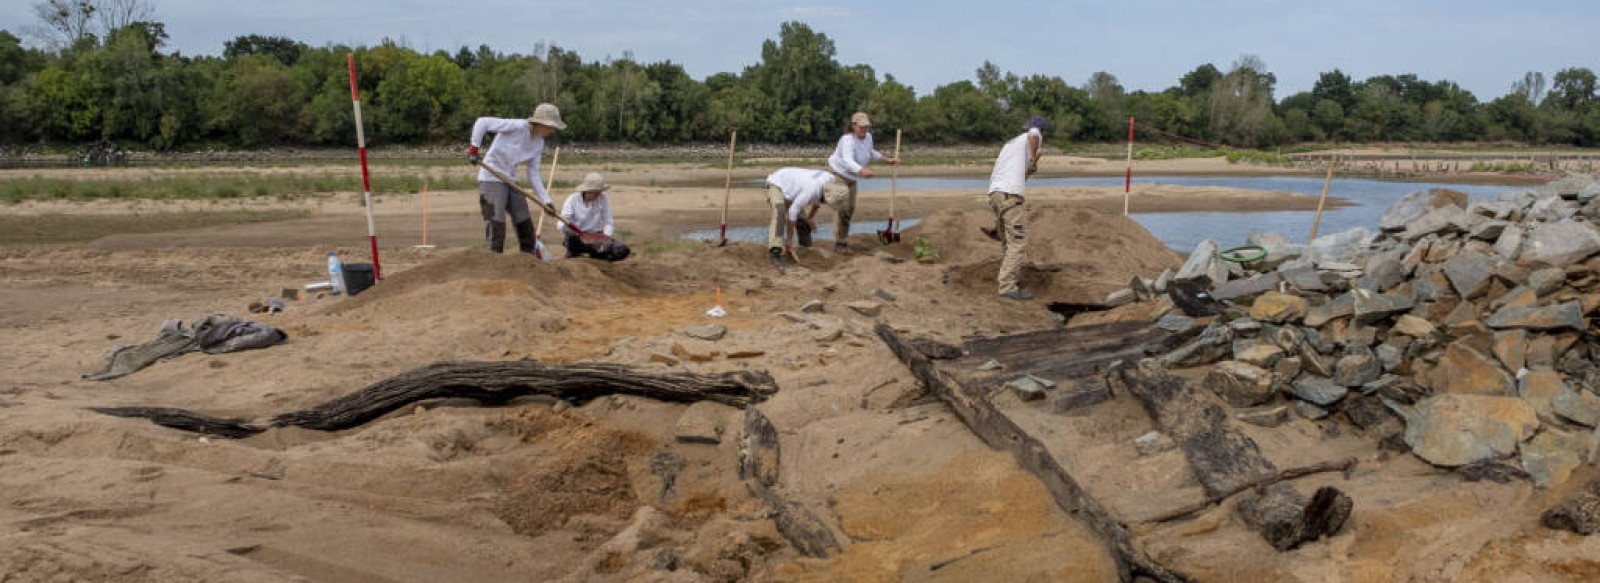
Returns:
<point x="1127" y="183"/>
<point x="366" y="183"/>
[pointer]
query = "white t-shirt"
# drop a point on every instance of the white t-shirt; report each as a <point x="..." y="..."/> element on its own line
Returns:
<point x="514" y="144"/>
<point x="1011" y="167"/>
<point x="853" y="154"/>
<point x="591" y="217"/>
<point x="802" y="187"/>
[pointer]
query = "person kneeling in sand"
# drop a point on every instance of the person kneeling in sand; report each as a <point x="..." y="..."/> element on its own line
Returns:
<point x="791" y="192"/>
<point x="590" y="211"/>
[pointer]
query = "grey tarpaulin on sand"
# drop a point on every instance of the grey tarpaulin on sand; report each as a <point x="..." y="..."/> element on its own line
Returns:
<point x="212" y="334"/>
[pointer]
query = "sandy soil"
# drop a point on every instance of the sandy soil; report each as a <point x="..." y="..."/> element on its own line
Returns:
<point x="538" y="491"/>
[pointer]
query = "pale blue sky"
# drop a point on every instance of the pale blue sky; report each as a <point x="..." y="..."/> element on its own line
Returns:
<point x="1148" y="44"/>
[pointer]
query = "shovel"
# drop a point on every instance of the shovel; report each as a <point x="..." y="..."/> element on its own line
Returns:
<point x="545" y="208"/>
<point x="727" y="189"/>
<point x="538" y="231"/>
<point x="888" y="235"/>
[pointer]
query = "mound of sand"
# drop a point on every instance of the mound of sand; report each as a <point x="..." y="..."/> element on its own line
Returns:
<point x="1073" y="254"/>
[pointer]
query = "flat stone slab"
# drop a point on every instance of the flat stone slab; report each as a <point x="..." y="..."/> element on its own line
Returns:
<point x="1456" y="430"/>
<point x="711" y="332"/>
<point x="1562" y="316"/>
<point x="702" y="422"/>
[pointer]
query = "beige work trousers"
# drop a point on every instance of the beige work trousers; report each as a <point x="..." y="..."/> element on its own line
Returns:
<point x="1010" y="221"/>
<point x="833" y="195"/>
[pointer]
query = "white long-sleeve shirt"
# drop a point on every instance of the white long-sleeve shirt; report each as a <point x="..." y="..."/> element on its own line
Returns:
<point x="1011" y="167"/>
<point x="514" y="143"/>
<point x="851" y="155"/>
<point x="802" y="187"/>
<point x="591" y="217"/>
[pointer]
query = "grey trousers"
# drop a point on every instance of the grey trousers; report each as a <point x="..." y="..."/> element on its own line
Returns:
<point x="497" y="199"/>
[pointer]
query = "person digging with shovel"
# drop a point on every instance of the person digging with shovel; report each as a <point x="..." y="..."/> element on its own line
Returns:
<point x="849" y="162"/>
<point x="589" y="209"/>
<point x="1018" y="160"/>
<point x="792" y="192"/>
<point x="516" y="141"/>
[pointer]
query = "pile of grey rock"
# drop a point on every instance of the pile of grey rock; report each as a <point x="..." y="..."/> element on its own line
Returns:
<point x="1462" y="329"/>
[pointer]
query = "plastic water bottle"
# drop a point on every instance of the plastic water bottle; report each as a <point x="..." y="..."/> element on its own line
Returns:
<point x="335" y="273"/>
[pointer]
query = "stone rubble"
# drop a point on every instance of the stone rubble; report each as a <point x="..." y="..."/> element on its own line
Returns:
<point x="1465" y="327"/>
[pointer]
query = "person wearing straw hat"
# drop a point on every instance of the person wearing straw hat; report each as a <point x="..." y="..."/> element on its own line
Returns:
<point x="1018" y="160"/>
<point x="589" y="209"/>
<point x="791" y="191"/>
<point x="516" y="141"/>
<point x="850" y="163"/>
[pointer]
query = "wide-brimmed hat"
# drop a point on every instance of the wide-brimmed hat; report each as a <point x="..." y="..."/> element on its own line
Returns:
<point x="860" y="119"/>
<point x="594" y="182"/>
<point x="547" y="114"/>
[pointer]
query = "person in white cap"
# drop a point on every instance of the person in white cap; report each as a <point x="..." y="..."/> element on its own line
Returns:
<point x="850" y="162"/>
<point x="516" y="141"/>
<point x="1018" y="160"/>
<point x="589" y="209"/>
<point x="791" y="192"/>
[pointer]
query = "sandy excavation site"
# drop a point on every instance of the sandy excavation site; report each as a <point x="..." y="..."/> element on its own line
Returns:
<point x="1415" y="403"/>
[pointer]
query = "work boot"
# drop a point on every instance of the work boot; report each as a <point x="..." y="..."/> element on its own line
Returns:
<point x="841" y="248"/>
<point x="775" y="256"/>
<point x="525" y="236"/>
<point x="1017" y="295"/>
<point x="494" y="233"/>
<point x="802" y="232"/>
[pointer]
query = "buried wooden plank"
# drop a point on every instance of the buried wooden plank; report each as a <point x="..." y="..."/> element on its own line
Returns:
<point x="486" y="382"/>
<point x="1059" y="353"/>
<point x="1227" y="461"/>
<point x="758" y="467"/>
<point x="1000" y="432"/>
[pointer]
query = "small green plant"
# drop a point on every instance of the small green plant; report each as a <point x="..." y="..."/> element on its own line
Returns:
<point x="1254" y="157"/>
<point x="1501" y="167"/>
<point x="923" y="250"/>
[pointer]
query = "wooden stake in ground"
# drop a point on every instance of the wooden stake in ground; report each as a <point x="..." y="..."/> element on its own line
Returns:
<point x="549" y="183"/>
<point x="1127" y="182"/>
<point x="727" y="189"/>
<point x="425" y="244"/>
<point x="1326" y="182"/>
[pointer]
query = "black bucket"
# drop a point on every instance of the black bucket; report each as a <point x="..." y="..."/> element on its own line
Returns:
<point x="358" y="277"/>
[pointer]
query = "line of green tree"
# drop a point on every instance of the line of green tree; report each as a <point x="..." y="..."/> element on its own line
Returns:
<point x="267" y="91"/>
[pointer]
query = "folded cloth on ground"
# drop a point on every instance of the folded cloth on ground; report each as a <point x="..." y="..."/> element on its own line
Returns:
<point x="212" y="334"/>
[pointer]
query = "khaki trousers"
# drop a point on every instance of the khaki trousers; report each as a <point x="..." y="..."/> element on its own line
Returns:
<point x="1010" y="221"/>
<point x="779" y="227"/>
<point x="843" y="208"/>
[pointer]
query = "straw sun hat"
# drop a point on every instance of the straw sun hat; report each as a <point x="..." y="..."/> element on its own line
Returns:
<point x="547" y="114"/>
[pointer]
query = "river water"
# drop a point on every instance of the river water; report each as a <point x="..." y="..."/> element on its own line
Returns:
<point x="1182" y="231"/>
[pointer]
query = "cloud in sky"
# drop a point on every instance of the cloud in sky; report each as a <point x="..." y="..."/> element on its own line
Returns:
<point x="1148" y="44"/>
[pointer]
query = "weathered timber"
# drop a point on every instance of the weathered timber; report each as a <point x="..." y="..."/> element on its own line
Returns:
<point x="1579" y="513"/>
<point x="1092" y="348"/>
<point x="1000" y="432"/>
<point x="491" y="383"/>
<point x="230" y="427"/>
<point x="758" y="466"/>
<point x="1226" y="460"/>
<point x="798" y="524"/>
<point x="758" y="449"/>
<point x="1289" y="474"/>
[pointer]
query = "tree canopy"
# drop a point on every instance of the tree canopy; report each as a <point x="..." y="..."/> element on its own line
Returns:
<point x="108" y="74"/>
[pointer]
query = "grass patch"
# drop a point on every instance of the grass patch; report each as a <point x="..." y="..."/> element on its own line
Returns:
<point x="1503" y="167"/>
<point x="67" y="228"/>
<point x="673" y="246"/>
<point x="221" y="186"/>
<point x="1173" y="152"/>
<point x="1254" y="157"/>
